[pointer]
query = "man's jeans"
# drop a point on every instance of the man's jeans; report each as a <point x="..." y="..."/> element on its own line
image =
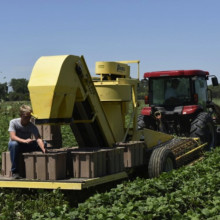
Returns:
<point x="16" y="149"/>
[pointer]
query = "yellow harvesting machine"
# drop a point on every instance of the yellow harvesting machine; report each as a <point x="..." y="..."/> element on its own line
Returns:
<point x="102" y="113"/>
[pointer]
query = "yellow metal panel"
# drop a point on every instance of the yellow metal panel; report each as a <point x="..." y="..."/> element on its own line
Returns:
<point x="152" y="138"/>
<point x="127" y="81"/>
<point x="113" y="111"/>
<point x="193" y="150"/>
<point x="133" y="61"/>
<point x="114" y="92"/>
<point x="112" y="68"/>
<point x="129" y="61"/>
<point x="57" y="83"/>
<point x="53" y="86"/>
<point x="68" y="185"/>
<point x="41" y="185"/>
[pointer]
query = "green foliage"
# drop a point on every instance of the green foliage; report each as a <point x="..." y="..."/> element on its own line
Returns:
<point x="68" y="137"/>
<point x="19" y="85"/>
<point x="19" y="90"/>
<point x="142" y="89"/>
<point x="191" y="192"/>
<point x="31" y="204"/>
<point x="14" y="96"/>
<point x="215" y="91"/>
<point x="3" y="91"/>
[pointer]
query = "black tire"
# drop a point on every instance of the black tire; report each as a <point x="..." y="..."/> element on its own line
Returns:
<point x="161" y="160"/>
<point x="202" y="126"/>
<point x="145" y="121"/>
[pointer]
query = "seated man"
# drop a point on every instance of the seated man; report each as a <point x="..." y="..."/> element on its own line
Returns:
<point x="171" y="92"/>
<point x="21" y="131"/>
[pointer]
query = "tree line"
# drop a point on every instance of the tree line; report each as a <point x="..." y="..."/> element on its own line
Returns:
<point x="15" y="90"/>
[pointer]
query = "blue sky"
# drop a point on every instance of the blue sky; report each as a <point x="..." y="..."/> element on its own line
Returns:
<point x="162" y="34"/>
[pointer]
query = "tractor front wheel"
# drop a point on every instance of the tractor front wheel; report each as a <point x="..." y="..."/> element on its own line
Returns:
<point x="162" y="160"/>
<point x="202" y="126"/>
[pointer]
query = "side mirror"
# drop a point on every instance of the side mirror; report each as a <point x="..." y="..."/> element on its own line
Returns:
<point x="215" y="81"/>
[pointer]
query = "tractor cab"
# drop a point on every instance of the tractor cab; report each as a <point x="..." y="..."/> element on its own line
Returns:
<point x="177" y="88"/>
<point x="175" y="100"/>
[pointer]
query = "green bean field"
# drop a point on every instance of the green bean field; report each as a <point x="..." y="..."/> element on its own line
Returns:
<point x="191" y="192"/>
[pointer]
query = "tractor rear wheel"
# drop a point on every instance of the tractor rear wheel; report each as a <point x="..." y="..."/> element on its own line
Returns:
<point x="145" y="121"/>
<point x="162" y="160"/>
<point x="202" y="126"/>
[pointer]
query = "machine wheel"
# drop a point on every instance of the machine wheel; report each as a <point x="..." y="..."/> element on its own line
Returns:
<point x="162" y="160"/>
<point x="203" y="128"/>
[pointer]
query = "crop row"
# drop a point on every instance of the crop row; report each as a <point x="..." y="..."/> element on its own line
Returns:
<point x="192" y="192"/>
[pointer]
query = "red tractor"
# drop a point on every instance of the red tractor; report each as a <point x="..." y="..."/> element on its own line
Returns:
<point x="180" y="103"/>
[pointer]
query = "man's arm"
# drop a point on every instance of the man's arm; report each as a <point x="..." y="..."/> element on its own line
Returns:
<point x="41" y="144"/>
<point x="20" y="140"/>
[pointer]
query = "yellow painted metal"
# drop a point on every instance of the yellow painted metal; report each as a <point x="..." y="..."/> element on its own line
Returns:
<point x="67" y="185"/>
<point x="105" y="179"/>
<point x="152" y="138"/>
<point x="113" y="92"/>
<point x="57" y="83"/>
<point x="193" y="150"/>
<point x="86" y="121"/>
<point x="41" y="185"/>
<point x="115" y="68"/>
<point x="113" y="111"/>
<point x="115" y="97"/>
<point x="53" y="86"/>
<point x="133" y="61"/>
<point x="129" y="61"/>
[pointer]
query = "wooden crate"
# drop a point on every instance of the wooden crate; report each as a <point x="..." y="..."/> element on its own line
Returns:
<point x="133" y="153"/>
<point x="88" y="163"/>
<point x="115" y="160"/>
<point x="48" y="166"/>
<point x="6" y="165"/>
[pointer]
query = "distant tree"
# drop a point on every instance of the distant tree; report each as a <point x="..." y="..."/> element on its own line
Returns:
<point x="3" y="91"/>
<point x="142" y="89"/>
<point x="215" y="91"/>
<point x="19" y="85"/>
<point x="19" y="90"/>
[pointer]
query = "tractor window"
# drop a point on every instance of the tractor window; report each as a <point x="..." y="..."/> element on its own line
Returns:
<point x="158" y="91"/>
<point x="201" y="90"/>
<point x="170" y="91"/>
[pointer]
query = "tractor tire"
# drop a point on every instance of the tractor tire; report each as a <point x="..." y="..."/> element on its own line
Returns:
<point x="144" y="121"/>
<point x="202" y="126"/>
<point x="161" y="160"/>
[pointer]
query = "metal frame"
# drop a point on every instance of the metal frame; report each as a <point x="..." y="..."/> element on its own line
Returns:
<point x="69" y="184"/>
